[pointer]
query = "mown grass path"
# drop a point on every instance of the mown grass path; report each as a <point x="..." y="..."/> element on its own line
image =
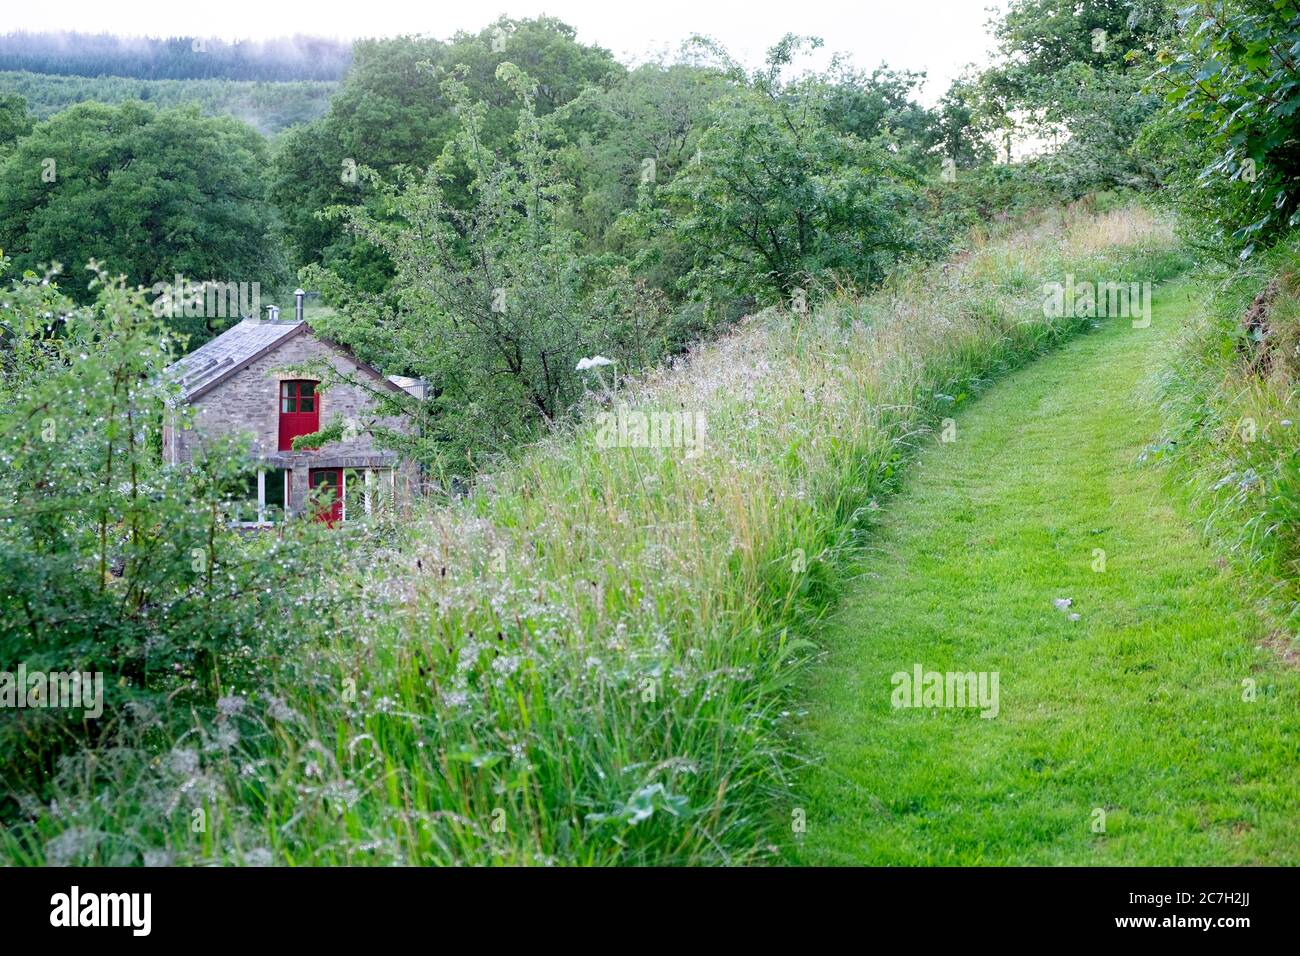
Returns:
<point x="1136" y="709"/>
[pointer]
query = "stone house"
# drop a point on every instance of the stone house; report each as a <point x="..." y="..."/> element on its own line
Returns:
<point x="239" y="384"/>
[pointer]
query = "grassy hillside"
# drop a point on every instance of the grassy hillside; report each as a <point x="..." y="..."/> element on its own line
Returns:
<point x="1157" y="728"/>
<point x="590" y="659"/>
<point x="1231" y="434"/>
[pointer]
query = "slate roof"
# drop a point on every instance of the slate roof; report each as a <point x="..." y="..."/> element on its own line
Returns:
<point x="232" y="349"/>
<point x="216" y="360"/>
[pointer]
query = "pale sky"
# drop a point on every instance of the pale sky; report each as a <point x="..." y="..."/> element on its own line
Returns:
<point x="938" y="36"/>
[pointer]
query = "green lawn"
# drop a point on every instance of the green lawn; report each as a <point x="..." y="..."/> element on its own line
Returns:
<point x="1136" y="708"/>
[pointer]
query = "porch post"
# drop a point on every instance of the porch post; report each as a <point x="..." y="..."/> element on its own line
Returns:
<point x="261" y="496"/>
<point x="299" y="489"/>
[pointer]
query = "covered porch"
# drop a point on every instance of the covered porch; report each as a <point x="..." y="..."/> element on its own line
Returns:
<point x="330" y="488"/>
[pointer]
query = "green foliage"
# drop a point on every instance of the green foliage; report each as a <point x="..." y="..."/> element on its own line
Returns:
<point x="640" y="130"/>
<point x="962" y="128"/>
<point x="1104" y="112"/>
<point x="880" y="105"/>
<point x="1043" y="37"/>
<point x="110" y="562"/>
<point x="1231" y="429"/>
<point x="149" y="194"/>
<point x="391" y="112"/>
<point x="268" y="107"/>
<point x="154" y="58"/>
<point x="1069" y="76"/>
<point x="1230" y="78"/>
<point x="778" y="198"/>
<point x="994" y="193"/>
<point x="14" y="121"/>
<point x="493" y="302"/>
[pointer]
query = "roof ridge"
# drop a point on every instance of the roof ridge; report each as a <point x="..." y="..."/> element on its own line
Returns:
<point x="242" y="342"/>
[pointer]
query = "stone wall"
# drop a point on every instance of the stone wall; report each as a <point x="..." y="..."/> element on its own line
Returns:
<point x="248" y="403"/>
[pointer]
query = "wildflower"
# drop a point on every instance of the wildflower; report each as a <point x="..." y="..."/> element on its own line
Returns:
<point x="277" y="709"/>
<point x="141" y="712"/>
<point x="231" y="706"/>
<point x="505" y="666"/>
<point x="158" y="857"/>
<point x="71" y="846"/>
<point x="184" y="762"/>
<point x="455" y="699"/>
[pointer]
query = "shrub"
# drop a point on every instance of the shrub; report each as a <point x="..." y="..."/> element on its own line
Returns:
<point x="110" y="562"/>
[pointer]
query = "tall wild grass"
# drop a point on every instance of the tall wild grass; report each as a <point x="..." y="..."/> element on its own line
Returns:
<point x="1232" y="423"/>
<point x="590" y="659"/>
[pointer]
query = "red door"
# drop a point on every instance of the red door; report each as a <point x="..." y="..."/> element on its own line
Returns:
<point x="327" y="492"/>
<point x="299" y="411"/>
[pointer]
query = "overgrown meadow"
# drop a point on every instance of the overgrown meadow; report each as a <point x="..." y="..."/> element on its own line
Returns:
<point x="589" y="659"/>
<point x="1229" y="394"/>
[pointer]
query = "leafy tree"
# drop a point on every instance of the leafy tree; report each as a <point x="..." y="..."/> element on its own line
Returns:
<point x="14" y="121"/>
<point x="1069" y="79"/>
<point x="546" y="49"/>
<point x="392" y="113"/>
<point x="1231" y="81"/>
<point x="150" y="194"/>
<point x="1042" y="37"/>
<point x="777" y="195"/>
<point x="639" y="130"/>
<point x="493" y="303"/>
<point x="881" y="104"/>
<point x="961" y="127"/>
<point x="1103" y="113"/>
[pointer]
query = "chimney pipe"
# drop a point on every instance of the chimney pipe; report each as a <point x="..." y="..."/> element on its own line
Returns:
<point x="273" y="313"/>
<point x="298" y="297"/>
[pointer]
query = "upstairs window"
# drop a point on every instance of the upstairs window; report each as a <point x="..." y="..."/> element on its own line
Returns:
<point x="297" y="396"/>
<point x="299" y="411"/>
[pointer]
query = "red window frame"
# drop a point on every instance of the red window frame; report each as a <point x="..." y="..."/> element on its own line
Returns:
<point x="299" y="410"/>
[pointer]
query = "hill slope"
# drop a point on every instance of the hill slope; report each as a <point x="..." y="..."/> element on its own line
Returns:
<point x="1136" y="709"/>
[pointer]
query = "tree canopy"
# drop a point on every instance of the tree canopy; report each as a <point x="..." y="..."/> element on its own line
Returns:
<point x="146" y="193"/>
